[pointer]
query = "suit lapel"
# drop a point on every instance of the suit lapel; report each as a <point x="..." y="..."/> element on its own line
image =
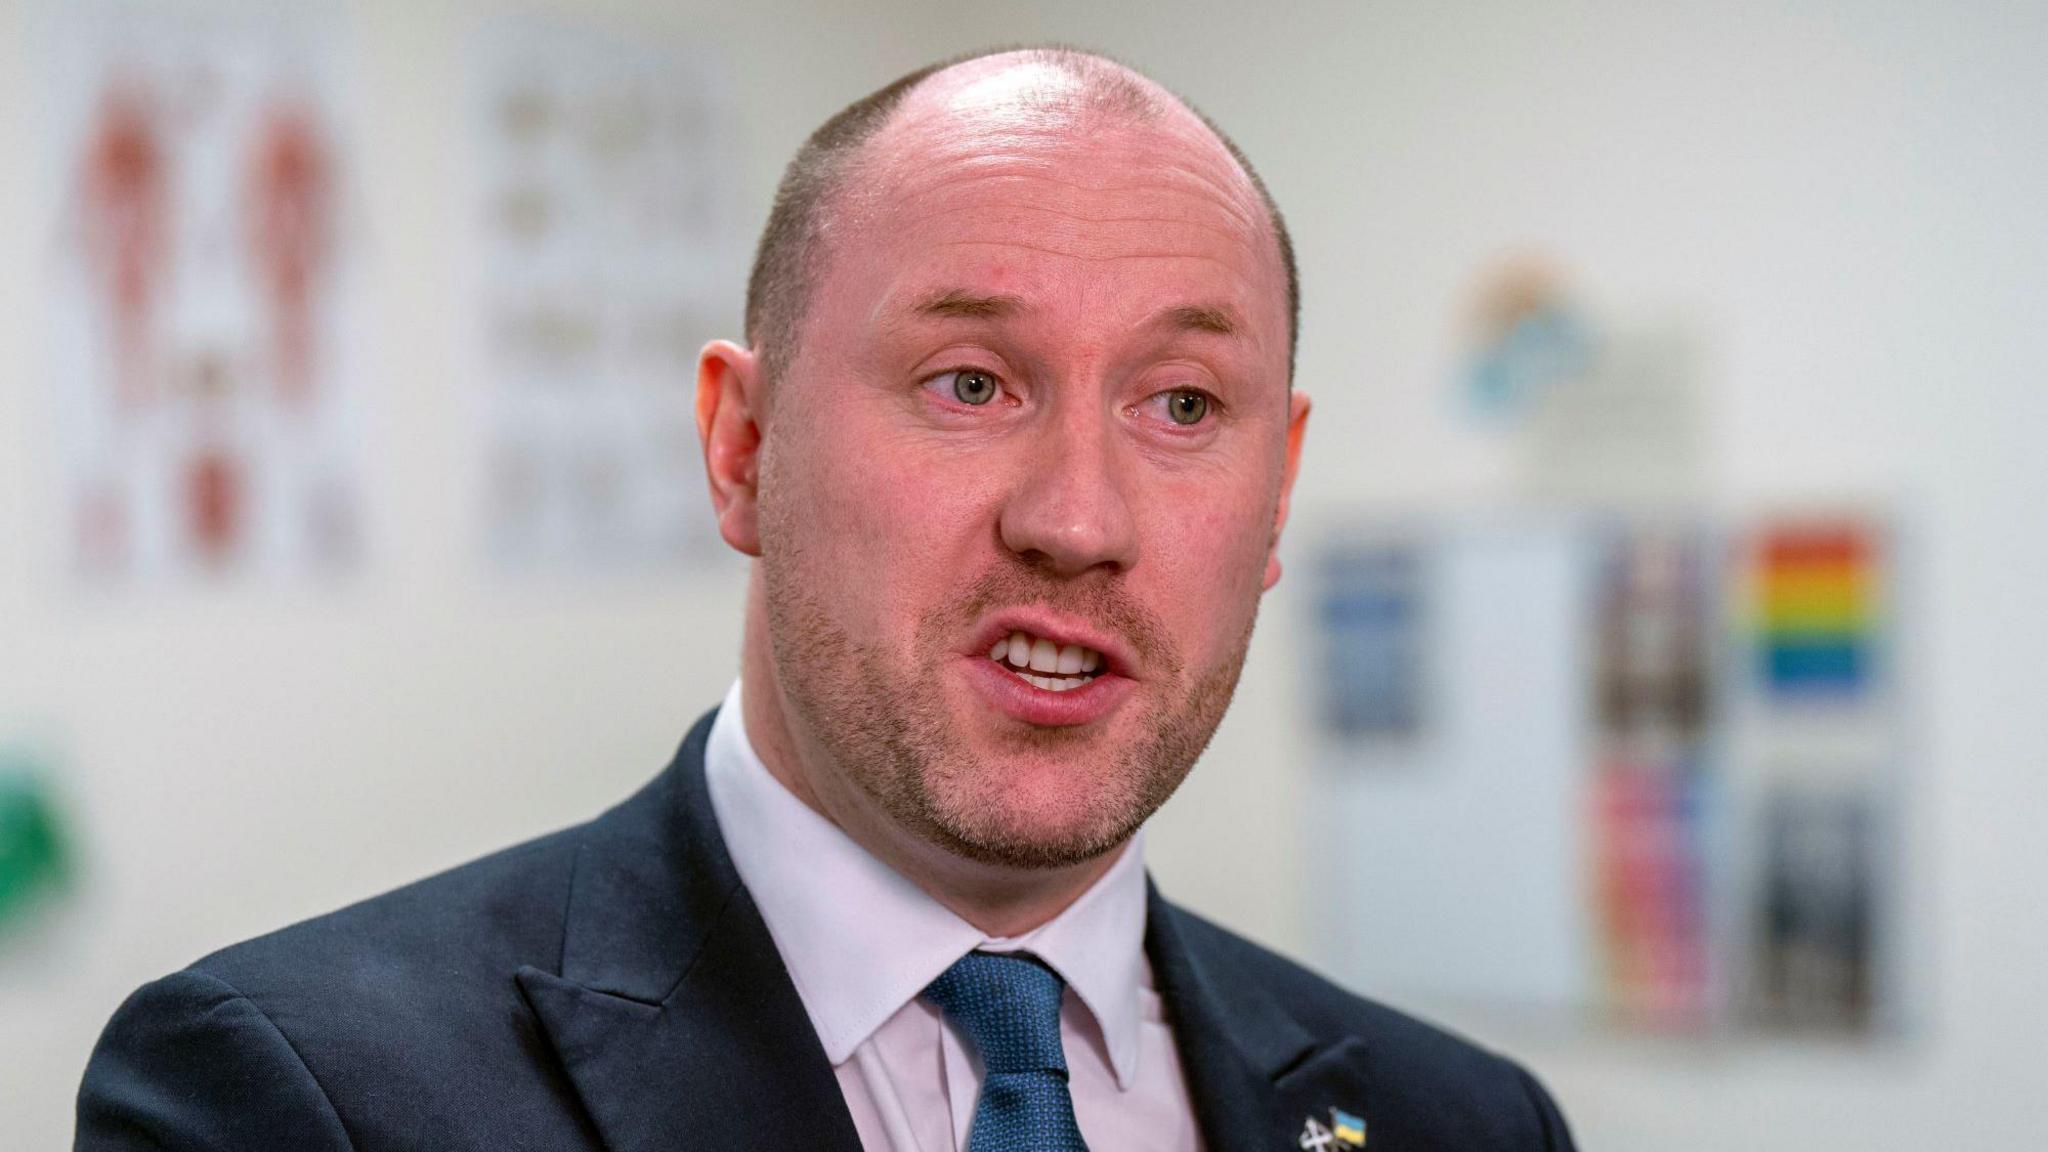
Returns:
<point x="673" y="1015"/>
<point x="676" y="1021"/>
<point x="1254" y="1073"/>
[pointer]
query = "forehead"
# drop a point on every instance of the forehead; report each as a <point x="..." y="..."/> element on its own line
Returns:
<point x="1020" y="176"/>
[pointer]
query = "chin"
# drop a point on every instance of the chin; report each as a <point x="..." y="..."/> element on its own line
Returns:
<point x="1038" y="815"/>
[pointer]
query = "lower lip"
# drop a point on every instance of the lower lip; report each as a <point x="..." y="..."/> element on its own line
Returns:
<point x="1019" y="699"/>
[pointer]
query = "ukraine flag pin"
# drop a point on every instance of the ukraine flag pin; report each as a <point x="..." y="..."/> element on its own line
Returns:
<point x="1344" y="1131"/>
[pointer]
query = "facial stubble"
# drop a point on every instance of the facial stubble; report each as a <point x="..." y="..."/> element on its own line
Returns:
<point x="884" y="727"/>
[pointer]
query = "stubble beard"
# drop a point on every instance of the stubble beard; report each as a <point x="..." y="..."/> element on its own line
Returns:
<point x="885" y="727"/>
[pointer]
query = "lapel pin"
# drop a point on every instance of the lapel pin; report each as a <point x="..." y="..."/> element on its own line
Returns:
<point x="1343" y="1131"/>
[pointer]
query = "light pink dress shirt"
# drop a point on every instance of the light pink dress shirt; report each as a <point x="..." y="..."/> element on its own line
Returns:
<point x="861" y="942"/>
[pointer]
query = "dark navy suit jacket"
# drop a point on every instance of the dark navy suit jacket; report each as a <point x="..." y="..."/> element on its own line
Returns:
<point x="613" y="986"/>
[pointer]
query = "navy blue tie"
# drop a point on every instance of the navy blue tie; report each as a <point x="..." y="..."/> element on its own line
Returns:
<point x="1009" y="1007"/>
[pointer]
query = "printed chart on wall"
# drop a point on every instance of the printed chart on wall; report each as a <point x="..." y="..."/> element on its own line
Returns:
<point x="200" y="297"/>
<point x="608" y="259"/>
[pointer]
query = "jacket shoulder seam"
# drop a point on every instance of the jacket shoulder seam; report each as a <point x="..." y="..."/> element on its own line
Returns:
<point x="289" y="1047"/>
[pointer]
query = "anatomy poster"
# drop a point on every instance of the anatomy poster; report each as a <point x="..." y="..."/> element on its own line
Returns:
<point x="608" y="257"/>
<point x="200" y="304"/>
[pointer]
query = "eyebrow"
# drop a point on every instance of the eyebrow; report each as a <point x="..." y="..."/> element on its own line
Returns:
<point x="961" y="304"/>
<point x="1200" y="318"/>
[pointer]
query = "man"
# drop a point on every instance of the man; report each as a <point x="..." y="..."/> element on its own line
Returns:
<point x="1011" y="445"/>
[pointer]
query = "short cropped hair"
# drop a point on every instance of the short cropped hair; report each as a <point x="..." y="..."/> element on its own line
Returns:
<point x="791" y="250"/>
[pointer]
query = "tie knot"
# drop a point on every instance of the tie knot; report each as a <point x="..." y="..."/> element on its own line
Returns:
<point x="1009" y="1006"/>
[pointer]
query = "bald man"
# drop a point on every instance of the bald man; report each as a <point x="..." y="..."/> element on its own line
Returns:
<point x="1010" y="444"/>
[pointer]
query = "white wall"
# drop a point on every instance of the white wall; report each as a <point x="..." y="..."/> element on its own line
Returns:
<point x="1844" y="199"/>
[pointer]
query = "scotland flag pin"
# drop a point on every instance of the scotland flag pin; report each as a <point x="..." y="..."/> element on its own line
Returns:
<point x="1343" y="1131"/>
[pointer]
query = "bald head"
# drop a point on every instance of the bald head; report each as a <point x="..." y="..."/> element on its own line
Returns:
<point x="1003" y="94"/>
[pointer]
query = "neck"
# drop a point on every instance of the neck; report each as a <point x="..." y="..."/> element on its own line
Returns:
<point x="999" y="901"/>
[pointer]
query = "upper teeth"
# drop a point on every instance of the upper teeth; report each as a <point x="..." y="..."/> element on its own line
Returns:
<point x="1022" y="651"/>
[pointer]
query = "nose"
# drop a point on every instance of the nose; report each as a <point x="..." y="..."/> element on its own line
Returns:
<point x="1070" y="509"/>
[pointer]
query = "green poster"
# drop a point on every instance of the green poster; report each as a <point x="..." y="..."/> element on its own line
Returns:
<point x="33" y="858"/>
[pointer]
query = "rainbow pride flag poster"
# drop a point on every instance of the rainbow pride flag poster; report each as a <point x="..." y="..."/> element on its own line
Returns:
<point x="1816" y="610"/>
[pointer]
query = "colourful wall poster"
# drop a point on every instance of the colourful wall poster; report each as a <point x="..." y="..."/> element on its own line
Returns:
<point x="607" y="242"/>
<point x="1651" y="829"/>
<point x="201" y="308"/>
<point x="1690" y="749"/>
<point x="1815" y="610"/>
<point x="1653" y="783"/>
<point x="1826" y="719"/>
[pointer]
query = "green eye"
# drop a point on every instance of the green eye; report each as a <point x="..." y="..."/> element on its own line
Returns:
<point x="972" y="387"/>
<point x="1187" y="407"/>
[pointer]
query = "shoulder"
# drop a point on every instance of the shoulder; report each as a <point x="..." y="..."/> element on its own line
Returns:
<point x="295" y="1031"/>
<point x="486" y="916"/>
<point x="1416" y="1063"/>
<point x="401" y="1021"/>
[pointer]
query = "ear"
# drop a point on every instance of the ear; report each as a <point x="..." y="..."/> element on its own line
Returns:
<point x="728" y="427"/>
<point x="1297" y="427"/>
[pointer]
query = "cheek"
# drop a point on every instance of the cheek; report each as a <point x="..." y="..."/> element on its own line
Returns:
<point x="884" y="526"/>
<point x="1207" y="547"/>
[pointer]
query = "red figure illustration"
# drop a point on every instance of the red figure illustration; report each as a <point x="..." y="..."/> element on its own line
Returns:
<point x="290" y="187"/>
<point x="213" y="505"/>
<point x="126" y="198"/>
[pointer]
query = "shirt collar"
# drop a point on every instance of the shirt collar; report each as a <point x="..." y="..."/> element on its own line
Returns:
<point x="861" y="941"/>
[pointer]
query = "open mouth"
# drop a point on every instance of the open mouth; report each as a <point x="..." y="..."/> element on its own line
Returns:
<point x="1045" y="663"/>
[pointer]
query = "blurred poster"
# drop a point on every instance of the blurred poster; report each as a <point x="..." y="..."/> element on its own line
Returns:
<point x="1816" y="613"/>
<point x="608" y="259"/>
<point x="1816" y="911"/>
<point x="1369" y="626"/>
<point x="1527" y="338"/>
<point x="1653" y="616"/>
<point x="1590" y="411"/>
<point x="1652" y="788"/>
<point x="200" y="307"/>
<point x="1822" y="728"/>
<point x="1650" y="838"/>
<point x="1611" y="767"/>
<point x="35" y="857"/>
